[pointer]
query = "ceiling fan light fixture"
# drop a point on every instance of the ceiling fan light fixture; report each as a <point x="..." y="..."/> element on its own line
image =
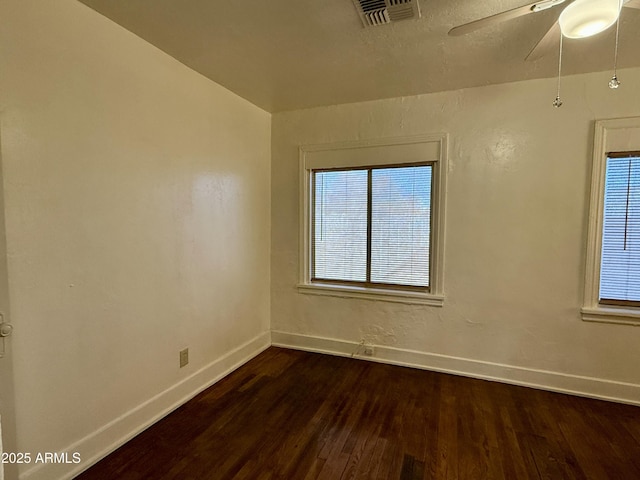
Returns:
<point x="584" y="18"/>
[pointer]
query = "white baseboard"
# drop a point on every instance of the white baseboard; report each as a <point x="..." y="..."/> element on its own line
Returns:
<point x="541" y="379"/>
<point x="100" y="443"/>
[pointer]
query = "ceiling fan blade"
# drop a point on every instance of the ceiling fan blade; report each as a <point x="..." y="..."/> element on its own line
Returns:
<point x="503" y="16"/>
<point x="546" y="43"/>
<point x="632" y="4"/>
<point x="491" y="20"/>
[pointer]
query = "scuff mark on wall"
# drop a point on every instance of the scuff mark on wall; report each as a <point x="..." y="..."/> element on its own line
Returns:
<point x="378" y="335"/>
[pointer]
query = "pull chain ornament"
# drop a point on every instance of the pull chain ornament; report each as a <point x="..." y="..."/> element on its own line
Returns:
<point x="614" y="82"/>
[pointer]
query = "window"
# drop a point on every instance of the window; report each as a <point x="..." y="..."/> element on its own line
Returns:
<point x="372" y="223"/>
<point x="612" y="285"/>
<point x="372" y="226"/>
<point x="620" y="264"/>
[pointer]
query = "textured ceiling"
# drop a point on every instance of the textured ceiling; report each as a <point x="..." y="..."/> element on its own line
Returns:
<point x="291" y="54"/>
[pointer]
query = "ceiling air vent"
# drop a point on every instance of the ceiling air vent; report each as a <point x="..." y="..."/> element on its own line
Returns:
<point x="379" y="12"/>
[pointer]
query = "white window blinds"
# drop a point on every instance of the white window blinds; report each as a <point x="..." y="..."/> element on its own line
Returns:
<point x="340" y="225"/>
<point x="401" y="225"/>
<point x="373" y="225"/>
<point x="620" y="267"/>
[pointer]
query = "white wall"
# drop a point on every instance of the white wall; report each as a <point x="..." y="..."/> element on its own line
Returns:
<point x="138" y="223"/>
<point x="518" y="184"/>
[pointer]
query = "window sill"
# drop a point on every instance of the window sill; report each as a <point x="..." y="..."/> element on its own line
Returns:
<point x="346" y="291"/>
<point x="624" y="316"/>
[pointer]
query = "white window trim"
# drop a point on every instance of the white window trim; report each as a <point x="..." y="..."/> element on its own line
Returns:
<point x="610" y="135"/>
<point x="437" y="143"/>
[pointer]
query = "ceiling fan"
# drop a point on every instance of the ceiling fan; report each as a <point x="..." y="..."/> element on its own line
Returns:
<point x="578" y="19"/>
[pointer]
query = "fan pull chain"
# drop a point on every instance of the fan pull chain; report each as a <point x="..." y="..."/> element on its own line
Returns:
<point x="557" y="102"/>
<point x="614" y="82"/>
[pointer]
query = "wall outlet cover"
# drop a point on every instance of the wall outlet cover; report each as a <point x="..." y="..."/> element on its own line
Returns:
<point x="184" y="357"/>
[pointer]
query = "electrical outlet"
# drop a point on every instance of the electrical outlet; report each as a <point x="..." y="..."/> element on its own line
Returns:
<point x="184" y="357"/>
<point x="368" y="350"/>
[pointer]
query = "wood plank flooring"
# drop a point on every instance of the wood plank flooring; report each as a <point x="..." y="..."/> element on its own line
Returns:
<point x="294" y="415"/>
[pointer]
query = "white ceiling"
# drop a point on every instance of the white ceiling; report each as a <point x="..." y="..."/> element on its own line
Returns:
<point x="291" y="54"/>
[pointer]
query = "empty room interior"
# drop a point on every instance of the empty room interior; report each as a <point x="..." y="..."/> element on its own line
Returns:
<point x="394" y="239"/>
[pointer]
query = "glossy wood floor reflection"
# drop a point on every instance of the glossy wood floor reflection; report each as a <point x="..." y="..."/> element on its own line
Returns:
<point x="294" y="415"/>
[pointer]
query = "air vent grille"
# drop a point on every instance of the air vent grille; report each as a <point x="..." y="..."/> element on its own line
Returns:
<point x="380" y="12"/>
<point x="371" y="5"/>
<point x="377" y="17"/>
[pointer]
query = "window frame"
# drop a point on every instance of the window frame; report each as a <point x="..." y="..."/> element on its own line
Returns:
<point x="612" y="137"/>
<point x="417" y="150"/>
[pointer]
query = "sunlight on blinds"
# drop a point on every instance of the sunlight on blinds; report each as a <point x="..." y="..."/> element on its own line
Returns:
<point x="401" y="225"/>
<point x="340" y="225"/>
<point x="620" y="269"/>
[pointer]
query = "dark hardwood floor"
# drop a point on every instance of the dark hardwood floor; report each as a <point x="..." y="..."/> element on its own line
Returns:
<point x="294" y="415"/>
